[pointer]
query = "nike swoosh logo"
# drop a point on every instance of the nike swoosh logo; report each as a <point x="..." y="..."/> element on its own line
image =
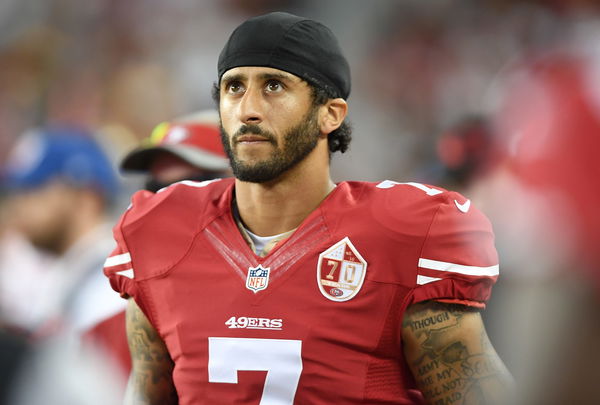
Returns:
<point x="464" y="207"/>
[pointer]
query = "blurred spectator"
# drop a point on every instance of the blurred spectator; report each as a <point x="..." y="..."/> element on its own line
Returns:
<point x="60" y="185"/>
<point x="187" y="148"/>
<point x="466" y="154"/>
<point x="530" y="165"/>
<point x="532" y="173"/>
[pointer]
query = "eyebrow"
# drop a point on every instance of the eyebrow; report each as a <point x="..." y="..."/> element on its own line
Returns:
<point x="263" y="76"/>
<point x="232" y="78"/>
<point x="282" y="76"/>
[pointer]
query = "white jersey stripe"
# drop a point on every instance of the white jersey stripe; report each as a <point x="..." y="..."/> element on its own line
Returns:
<point x="199" y="184"/>
<point x="190" y="183"/>
<point x="127" y="273"/>
<point x="428" y="190"/>
<point x="459" y="268"/>
<point x="426" y="280"/>
<point x="117" y="260"/>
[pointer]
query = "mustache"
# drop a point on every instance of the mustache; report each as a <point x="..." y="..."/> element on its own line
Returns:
<point x="253" y="129"/>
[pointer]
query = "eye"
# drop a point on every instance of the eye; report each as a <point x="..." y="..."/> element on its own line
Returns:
<point x="234" y="87"/>
<point x="274" y="86"/>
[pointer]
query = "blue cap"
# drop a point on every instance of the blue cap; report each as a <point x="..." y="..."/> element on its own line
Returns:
<point x="59" y="153"/>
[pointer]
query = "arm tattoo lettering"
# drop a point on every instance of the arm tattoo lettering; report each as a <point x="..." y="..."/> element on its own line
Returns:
<point x="451" y="357"/>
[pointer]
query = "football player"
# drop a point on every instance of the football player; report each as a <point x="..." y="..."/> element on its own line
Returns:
<point x="282" y="287"/>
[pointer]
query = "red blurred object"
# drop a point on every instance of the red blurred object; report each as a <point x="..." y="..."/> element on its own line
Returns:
<point x="549" y="125"/>
<point x="195" y="140"/>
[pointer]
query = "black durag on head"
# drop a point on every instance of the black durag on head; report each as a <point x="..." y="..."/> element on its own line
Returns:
<point x="303" y="47"/>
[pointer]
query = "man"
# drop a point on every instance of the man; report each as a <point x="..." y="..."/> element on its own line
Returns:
<point x="282" y="287"/>
<point x="187" y="148"/>
<point x="61" y="185"/>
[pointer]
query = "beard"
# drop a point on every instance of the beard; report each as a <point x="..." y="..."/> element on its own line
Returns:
<point x="298" y="142"/>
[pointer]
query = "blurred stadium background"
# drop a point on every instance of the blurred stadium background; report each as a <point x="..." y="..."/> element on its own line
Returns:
<point x="123" y="66"/>
<point x="429" y="103"/>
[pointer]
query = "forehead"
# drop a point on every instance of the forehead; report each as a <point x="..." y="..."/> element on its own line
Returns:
<point x="257" y="72"/>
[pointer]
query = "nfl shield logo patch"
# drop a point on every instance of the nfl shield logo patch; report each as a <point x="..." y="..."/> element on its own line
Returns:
<point x="341" y="271"/>
<point x="257" y="278"/>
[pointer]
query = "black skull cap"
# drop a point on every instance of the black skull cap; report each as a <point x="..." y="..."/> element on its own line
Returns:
<point x="297" y="45"/>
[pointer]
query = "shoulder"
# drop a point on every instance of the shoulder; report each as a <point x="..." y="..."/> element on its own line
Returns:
<point x="402" y="192"/>
<point x="393" y="192"/>
<point x="157" y="229"/>
<point x="457" y="232"/>
<point x="442" y="224"/>
<point x="440" y="233"/>
<point x="176" y="200"/>
<point x="413" y="201"/>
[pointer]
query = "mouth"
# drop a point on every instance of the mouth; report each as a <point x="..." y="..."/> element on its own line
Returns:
<point x="251" y="138"/>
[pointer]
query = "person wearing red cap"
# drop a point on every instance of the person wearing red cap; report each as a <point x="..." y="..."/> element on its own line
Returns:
<point x="282" y="287"/>
<point x="187" y="148"/>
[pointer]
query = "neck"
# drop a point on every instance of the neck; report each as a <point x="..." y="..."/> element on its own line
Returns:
<point x="282" y="204"/>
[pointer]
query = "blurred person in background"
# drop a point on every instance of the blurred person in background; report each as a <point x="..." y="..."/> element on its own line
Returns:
<point x="539" y="192"/>
<point x="465" y="152"/>
<point x="60" y="186"/>
<point x="187" y="148"/>
<point x="531" y="165"/>
<point x="543" y="197"/>
<point x="221" y="274"/>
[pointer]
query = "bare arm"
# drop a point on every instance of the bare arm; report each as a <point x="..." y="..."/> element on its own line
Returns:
<point x="151" y="380"/>
<point x="451" y="357"/>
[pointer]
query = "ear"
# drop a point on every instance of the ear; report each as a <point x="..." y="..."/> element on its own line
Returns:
<point x="333" y="114"/>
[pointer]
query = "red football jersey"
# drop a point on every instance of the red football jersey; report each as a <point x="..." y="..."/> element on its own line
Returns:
<point x="317" y="320"/>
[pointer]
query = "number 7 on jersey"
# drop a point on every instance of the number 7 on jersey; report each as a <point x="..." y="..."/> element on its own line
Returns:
<point x="282" y="359"/>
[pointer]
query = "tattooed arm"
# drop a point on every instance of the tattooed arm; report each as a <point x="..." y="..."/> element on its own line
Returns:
<point x="451" y="357"/>
<point x="150" y="381"/>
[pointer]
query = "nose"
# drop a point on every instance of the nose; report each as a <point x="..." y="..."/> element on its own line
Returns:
<point x="251" y="106"/>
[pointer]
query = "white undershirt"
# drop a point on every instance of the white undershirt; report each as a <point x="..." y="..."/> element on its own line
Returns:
<point x="261" y="241"/>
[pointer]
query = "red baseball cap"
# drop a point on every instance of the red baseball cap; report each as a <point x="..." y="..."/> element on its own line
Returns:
<point x="195" y="139"/>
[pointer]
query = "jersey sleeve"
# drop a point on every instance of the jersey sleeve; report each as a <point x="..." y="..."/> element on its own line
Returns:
<point x="118" y="267"/>
<point x="458" y="262"/>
